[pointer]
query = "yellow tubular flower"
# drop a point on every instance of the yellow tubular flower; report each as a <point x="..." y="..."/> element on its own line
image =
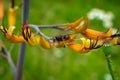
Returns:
<point x="86" y="42"/>
<point x="12" y="16"/>
<point x="114" y="41"/>
<point x="37" y="39"/>
<point x="80" y="48"/>
<point x="14" y="39"/>
<point x="1" y="10"/>
<point x="28" y="35"/>
<point x="93" y="34"/>
<point x="85" y="47"/>
<point x="76" y="23"/>
<point x="32" y="40"/>
<point x="10" y="36"/>
<point x="44" y="43"/>
<point x="83" y="27"/>
<point x="11" y="21"/>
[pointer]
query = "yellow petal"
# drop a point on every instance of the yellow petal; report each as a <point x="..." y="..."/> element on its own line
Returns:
<point x="83" y="27"/>
<point x="93" y="34"/>
<point x="14" y="38"/>
<point x="44" y="43"/>
<point x="80" y="48"/>
<point x="11" y="16"/>
<point x="76" y="23"/>
<point x="72" y="37"/>
<point x="10" y="30"/>
<point x="114" y="40"/>
<point x="32" y="40"/>
<point x="28" y="35"/>
<point x="76" y="47"/>
<point x="2" y="28"/>
<point x="37" y="39"/>
<point x="109" y="32"/>
<point x="85" y="42"/>
<point x="10" y="36"/>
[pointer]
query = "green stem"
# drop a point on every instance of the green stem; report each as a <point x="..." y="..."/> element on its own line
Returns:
<point x="110" y="66"/>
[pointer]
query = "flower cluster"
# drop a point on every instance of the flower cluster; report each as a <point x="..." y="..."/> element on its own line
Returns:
<point x="93" y="39"/>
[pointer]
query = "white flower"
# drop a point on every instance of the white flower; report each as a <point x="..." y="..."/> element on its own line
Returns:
<point x="105" y="17"/>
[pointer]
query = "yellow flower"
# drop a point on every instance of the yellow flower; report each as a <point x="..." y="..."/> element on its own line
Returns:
<point x="76" y="23"/>
<point x="83" y="27"/>
<point x="93" y="34"/>
<point x="8" y="33"/>
<point x="12" y="16"/>
<point x="28" y="35"/>
<point x="86" y="45"/>
<point x="32" y="40"/>
<point x="10" y="36"/>
<point x="79" y="25"/>
<point x="114" y="41"/>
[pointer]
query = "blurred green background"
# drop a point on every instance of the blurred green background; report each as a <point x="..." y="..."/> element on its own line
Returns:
<point x="63" y="63"/>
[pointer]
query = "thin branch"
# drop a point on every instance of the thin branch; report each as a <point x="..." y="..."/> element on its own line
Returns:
<point x="59" y="27"/>
<point x="6" y="54"/>
<point x="11" y="48"/>
<point x="43" y="35"/>
<point x="38" y="27"/>
<point x="39" y="32"/>
<point x="22" y="46"/>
